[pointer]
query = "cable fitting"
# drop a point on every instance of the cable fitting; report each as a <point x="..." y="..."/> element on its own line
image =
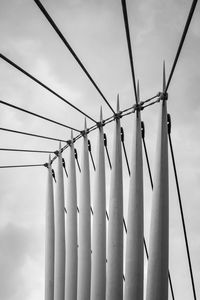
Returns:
<point x="46" y="165"/>
<point x="69" y="142"/>
<point x="139" y="106"/>
<point x="163" y="96"/>
<point x="117" y="116"/>
<point x="169" y="123"/>
<point x="100" y="124"/>
<point x="122" y="135"/>
<point x="56" y="153"/>
<point x="84" y="132"/>
<point x="142" y="130"/>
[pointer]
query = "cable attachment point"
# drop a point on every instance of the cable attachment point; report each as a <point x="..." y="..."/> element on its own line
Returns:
<point x="105" y="140"/>
<point x="64" y="166"/>
<point x="84" y="132"/>
<point x="142" y="130"/>
<point x="100" y="124"/>
<point x="53" y="174"/>
<point x="139" y="107"/>
<point x="118" y="115"/>
<point x="163" y="96"/>
<point x="169" y="123"/>
<point x="46" y="165"/>
<point x="76" y="158"/>
<point x="90" y="151"/>
<point x="56" y="153"/>
<point x="69" y="142"/>
<point x="122" y="135"/>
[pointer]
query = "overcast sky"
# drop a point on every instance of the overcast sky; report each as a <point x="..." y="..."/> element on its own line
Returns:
<point x="95" y="30"/>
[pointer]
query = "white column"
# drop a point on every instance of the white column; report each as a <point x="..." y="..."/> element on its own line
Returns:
<point x="59" y="287"/>
<point x="49" y="238"/>
<point x="157" y="280"/>
<point x="84" y="234"/>
<point x="71" y="229"/>
<point x="134" y="241"/>
<point x="98" y="279"/>
<point x="114" y="289"/>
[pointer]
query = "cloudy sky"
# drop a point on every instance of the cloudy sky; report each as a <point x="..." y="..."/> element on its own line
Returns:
<point x="95" y="30"/>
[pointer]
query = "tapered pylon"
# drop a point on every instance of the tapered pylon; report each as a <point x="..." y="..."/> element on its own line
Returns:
<point x="49" y="238"/>
<point x="98" y="279"/>
<point x="157" y="280"/>
<point x="114" y="289"/>
<point x="134" y="241"/>
<point x="84" y="236"/>
<point x="71" y="229"/>
<point x="59" y="286"/>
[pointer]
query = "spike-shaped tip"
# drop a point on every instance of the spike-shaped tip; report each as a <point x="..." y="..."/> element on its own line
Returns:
<point x="85" y="125"/>
<point x="101" y="114"/>
<point x="60" y="148"/>
<point x="164" y="77"/>
<point x="49" y="160"/>
<point x="138" y="91"/>
<point x="72" y="136"/>
<point x="117" y="103"/>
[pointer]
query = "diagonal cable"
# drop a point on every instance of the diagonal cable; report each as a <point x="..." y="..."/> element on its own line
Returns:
<point x="21" y="166"/>
<point x="32" y="134"/>
<point x="55" y="27"/>
<point x="25" y="150"/>
<point x="151" y="181"/>
<point x="181" y="207"/>
<point x="37" y="115"/>
<point x="44" y="85"/>
<point x="126" y="24"/>
<point x="181" y="42"/>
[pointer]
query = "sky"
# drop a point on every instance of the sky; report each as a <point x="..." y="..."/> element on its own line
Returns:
<point x="95" y="30"/>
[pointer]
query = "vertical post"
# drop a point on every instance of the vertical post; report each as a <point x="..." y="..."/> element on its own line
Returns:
<point x="134" y="263"/>
<point x="59" y="287"/>
<point x="49" y="238"/>
<point x="157" y="280"/>
<point x="114" y="289"/>
<point x="84" y="236"/>
<point x="98" y="279"/>
<point x="71" y="229"/>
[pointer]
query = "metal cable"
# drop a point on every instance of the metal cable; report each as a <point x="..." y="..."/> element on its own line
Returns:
<point x="37" y="115"/>
<point x="181" y="42"/>
<point x="22" y="166"/>
<point x="31" y="134"/>
<point x="25" y="150"/>
<point x="125" y="15"/>
<point x="55" y="27"/>
<point x="181" y="207"/>
<point x="43" y="85"/>
<point x="151" y="181"/>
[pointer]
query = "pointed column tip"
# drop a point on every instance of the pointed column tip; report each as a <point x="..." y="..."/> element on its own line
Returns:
<point x="49" y="160"/>
<point x="118" y="108"/>
<point x="101" y="114"/>
<point x="164" y="76"/>
<point x="138" y="91"/>
<point x="85" y="124"/>
<point x="72" y="135"/>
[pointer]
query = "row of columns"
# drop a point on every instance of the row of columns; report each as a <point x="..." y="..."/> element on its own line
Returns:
<point x="71" y="271"/>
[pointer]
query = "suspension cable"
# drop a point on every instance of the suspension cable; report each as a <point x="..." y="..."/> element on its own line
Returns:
<point x="21" y="166"/>
<point x="181" y="207"/>
<point x="55" y="27"/>
<point x="181" y="42"/>
<point x="37" y="115"/>
<point x="25" y="150"/>
<point x="151" y="181"/>
<point x="32" y="134"/>
<point x="44" y="86"/>
<point x="125" y="15"/>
